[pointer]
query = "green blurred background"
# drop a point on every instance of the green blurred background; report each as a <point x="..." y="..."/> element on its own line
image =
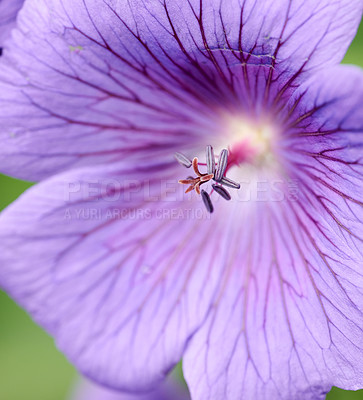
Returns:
<point x="31" y="368"/>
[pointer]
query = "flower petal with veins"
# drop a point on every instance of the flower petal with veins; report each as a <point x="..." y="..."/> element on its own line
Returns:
<point x="124" y="271"/>
<point x="95" y="82"/>
<point x="289" y="312"/>
<point x="118" y="289"/>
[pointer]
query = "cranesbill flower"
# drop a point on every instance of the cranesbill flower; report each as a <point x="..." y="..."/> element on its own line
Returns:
<point x="257" y="281"/>
<point x="8" y="12"/>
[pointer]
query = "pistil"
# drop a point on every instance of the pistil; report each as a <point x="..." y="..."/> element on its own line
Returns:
<point x="215" y="172"/>
<point x="195" y="183"/>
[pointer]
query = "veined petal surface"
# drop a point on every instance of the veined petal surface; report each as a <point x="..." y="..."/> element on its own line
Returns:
<point x="288" y="323"/>
<point x="276" y="283"/>
<point x="93" y="82"/>
<point x="117" y="267"/>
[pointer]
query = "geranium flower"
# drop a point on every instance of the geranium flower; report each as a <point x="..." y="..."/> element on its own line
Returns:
<point x="262" y="298"/>
<point x="8" y="12"/>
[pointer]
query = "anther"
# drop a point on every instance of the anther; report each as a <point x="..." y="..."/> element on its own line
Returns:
<point x="211" y="161"/>
<point x="207" y="201"/>
<point x="183" y="160"/>
<point x="228" y="182"/>
<point x="222" y="165"/>
<point x="222" y="192"/>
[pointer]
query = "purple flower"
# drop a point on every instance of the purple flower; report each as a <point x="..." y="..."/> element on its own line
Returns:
<point x="262" y="298"/>
<point x="169" y="390"/>
<point x="8" y="12"/>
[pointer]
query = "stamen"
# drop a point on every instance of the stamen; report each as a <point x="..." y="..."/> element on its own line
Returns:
<point x="207" y="201"/>
<point x="211" y="161"/>
<point x="222" y="192"/>
<point x="228" y="182"/>
<point x="222" y="165"/>
<point x="213" y="173"/>
<point x="183" y="160"/>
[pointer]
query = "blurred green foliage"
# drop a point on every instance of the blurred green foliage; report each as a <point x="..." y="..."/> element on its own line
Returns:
<point x="31" y="368"/>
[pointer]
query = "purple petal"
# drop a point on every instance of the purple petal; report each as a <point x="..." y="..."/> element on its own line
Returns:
<point x="8" y="12"/>
<point x="170" y="390"/>
<point x="93" y="82"/>
<point x="289" y="321"/>
<point x="84" y="91"/>
<point x="110" y="271"/>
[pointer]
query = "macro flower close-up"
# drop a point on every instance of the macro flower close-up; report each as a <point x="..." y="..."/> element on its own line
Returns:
<point x="198" y="170"/>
